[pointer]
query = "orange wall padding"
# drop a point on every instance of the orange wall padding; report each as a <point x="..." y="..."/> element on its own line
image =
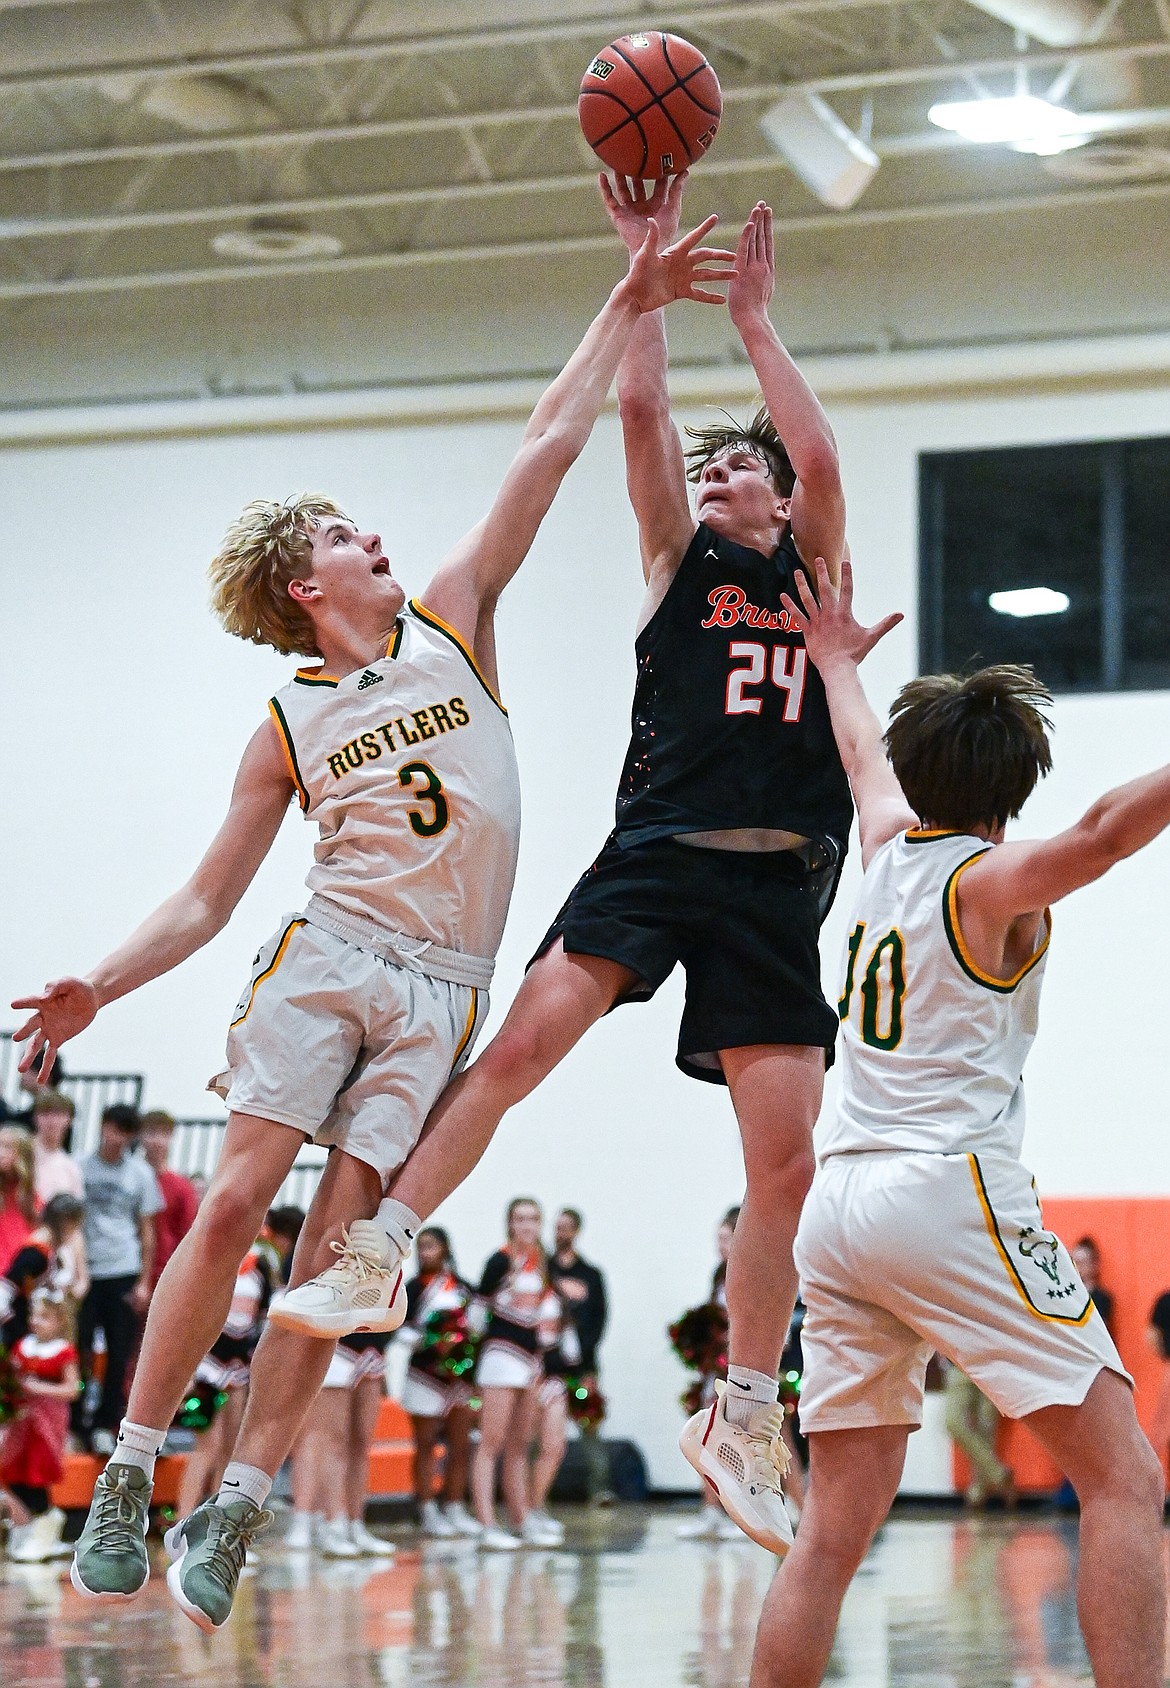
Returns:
<point x="1133" y="1235"/>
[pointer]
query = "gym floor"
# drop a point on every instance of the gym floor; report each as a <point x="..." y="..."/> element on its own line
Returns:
<point x="943" y="1601"/>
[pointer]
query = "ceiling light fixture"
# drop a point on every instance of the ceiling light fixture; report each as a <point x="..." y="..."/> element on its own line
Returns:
<point x="1029" y="601"/>
<point x="1022" y="121"/>
<point x="817" y="146"/>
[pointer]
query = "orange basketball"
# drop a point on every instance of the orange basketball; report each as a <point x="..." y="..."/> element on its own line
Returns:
<point x="649" y="105"/>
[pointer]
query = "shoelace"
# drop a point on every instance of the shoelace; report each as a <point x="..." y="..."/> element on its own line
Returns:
<point x="352" y="1261"/>
<point x="771" y="1456"/>
<point x="118" y="1512"/>
<point x="228" y="1541"/>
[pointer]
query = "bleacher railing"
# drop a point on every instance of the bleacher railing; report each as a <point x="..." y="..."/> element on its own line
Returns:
<point x="197" y="1141"/>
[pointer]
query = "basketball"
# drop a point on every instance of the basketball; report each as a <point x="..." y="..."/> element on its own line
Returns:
<point x="649" y="105"/>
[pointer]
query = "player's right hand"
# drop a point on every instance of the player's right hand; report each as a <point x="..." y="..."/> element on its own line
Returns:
<point x="661" y="273"/>
<point x="64" y="1008"/>
<point x="630" y="208"/>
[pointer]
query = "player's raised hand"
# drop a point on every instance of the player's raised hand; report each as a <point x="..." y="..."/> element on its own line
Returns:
<point x="629" y="206"/>
<point x="755" y="267"/>
<point x="64" y="1008"/>
<point x="661" y="273"/>
<point x="827" y="621"/>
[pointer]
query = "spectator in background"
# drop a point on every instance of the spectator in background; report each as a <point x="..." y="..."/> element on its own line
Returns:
<point x="437" y="1399"/>
<point x="1158" y="1337"/>
<point x="31" y="1086"/>
<point x="713" y="1524"/>
<point x="18" y="1202"/>
<point x="53" y="1258"/>
<point x="122" y="1198"/>
<point x="282" y="1227"/>
<point x="33" y="1445"/>
<point x="1087" y="1260"/>
<point x="581" y="1288"/>
<point x="972" y="1424"/>
<point x="56" y="1172"/>
<point x="180" y="1199"/>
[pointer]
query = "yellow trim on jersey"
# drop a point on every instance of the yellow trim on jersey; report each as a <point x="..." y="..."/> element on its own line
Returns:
<point x="315" y="677"/>
<point x="290" y="755"/>
<point x="270" y="969"/>
<point x="395" y="640"/>
<point x="928" y="834"/>
<point x="472" y="1017"/>
<point x="437" y="622"/>
<point x="958" y="943"/>
<point x="992" y="1224"/>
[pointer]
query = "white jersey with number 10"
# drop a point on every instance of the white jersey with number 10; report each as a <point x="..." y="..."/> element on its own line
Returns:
<point x="933" y="1047"/>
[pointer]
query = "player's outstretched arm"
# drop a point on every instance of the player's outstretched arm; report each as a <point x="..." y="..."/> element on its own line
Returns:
<point x="186" y="921"/>
<point x="818" y="500"/>
<point x="837" y="643"/>
<point x="470" y="580"/>
<point x="656" y="477"/>
<point x="1025" y="878"/>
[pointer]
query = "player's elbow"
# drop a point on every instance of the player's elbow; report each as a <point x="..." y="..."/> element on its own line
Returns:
<point x="819" y="469"/>
<point x="1103" y="837"/>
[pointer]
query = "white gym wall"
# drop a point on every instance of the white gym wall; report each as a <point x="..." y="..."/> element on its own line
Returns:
<point x="125" y="710"/>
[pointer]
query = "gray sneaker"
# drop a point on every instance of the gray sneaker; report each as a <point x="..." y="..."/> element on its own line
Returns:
<point x="208" y="1550"/>
<point x="109" y="1561"/>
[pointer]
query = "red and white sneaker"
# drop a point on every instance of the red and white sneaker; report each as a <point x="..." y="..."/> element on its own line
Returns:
<point x="363" y="1290"/>
<point x="746" y="1465"/>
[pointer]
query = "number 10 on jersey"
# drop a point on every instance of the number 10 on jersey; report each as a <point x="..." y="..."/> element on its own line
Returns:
<point x="787" y="673"/>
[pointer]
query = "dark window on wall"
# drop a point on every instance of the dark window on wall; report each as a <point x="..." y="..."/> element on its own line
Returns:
<point x="1077" y="537"/>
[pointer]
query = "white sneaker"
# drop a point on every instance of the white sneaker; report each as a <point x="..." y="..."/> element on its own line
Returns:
<point x="534" y="1532"/>
<point x="461" y="1520"/>
<point x="703" y="1528"/>
<point x="300" y="1533"/>
<point x="435" y="1522"/>
<point x="39" y="1539"/>
<point x="498" y="1541"/>
<point x="368" y="1543"/>
<point x="745" y="1465"/>
<point x="363" y="1291"/>
<point x="551" y="1526"/>
<point x="333" y="1540"/>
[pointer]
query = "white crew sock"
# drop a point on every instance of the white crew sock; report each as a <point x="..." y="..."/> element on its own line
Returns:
<point x="137" y="1445"/>
<point x="748" y="1391"/>
<point x="247" y="1481"/>
<point x="400" y="1223"/>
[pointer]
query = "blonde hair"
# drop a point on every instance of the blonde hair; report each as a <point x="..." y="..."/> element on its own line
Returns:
<point x="21" y="1144"/>
<point x="266" y="547"/>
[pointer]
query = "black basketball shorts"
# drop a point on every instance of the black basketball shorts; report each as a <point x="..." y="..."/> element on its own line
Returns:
<point x="743" y="925"/>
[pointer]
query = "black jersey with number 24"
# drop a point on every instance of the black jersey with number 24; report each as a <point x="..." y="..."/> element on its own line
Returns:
<point x="730" y="721"/>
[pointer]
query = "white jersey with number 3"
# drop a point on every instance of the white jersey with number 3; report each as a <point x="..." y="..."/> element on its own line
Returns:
<point x="409" y="770"/>
<point x="933" y="1047"/>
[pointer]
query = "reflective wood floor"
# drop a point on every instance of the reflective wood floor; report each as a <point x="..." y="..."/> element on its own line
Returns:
<point x="940" y="1603"/>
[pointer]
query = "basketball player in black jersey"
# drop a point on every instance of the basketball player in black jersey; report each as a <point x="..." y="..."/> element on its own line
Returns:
<point x="732" y="820"/>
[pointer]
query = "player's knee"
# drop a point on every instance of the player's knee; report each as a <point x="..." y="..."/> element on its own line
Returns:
<point x="783" y="1178"/>
<point x="514" y="1061"/>
<point x="227" y="1215"/>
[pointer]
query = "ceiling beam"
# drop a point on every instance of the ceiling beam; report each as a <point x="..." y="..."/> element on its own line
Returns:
<point x="455" y="122"/>
<point x="813" y="223"/>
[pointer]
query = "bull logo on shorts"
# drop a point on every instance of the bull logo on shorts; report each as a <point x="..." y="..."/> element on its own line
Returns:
<point x="1042" y="1249"/>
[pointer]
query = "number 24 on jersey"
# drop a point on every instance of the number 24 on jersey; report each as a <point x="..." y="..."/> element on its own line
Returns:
<point x="787" y="671"/>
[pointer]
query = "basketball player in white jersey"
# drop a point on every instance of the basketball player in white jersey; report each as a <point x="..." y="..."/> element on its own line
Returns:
<point x="923" y="1230"/>
<point x="359" y="1010"/>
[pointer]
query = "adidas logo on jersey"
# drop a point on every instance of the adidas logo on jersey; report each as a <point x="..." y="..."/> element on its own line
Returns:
<point x="369" y="678"/>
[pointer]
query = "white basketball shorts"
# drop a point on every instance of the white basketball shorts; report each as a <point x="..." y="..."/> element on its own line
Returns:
<point x="350" y="1049"/>
<point x="900" y="1255"/>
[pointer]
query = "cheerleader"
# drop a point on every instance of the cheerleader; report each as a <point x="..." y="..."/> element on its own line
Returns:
<point x="515" y="1300"/>
<point x="331" y="1459"/>
<point x="437" y="1392"/>
<point x="215" y="1403"/>
<point x="33" y="1444"/>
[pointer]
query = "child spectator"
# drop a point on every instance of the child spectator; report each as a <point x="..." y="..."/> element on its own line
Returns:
<point x="52" y="1258"/>
<point x="55" y="1171"/>
<point x="33" y="1445"/>
<point x="180" y="1198"/>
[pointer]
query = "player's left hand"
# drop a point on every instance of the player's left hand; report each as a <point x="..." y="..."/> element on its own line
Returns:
<point x="629" y="205"/>
<point x="755" y="267"/>
<point x="660" y="273"/>
<point x="827" y="621"/>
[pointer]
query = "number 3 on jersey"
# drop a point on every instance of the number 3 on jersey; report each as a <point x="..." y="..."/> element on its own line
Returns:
<point x="788" y="668"/>
<point x="885" y="971"/>
<point x="426" y="826"/>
